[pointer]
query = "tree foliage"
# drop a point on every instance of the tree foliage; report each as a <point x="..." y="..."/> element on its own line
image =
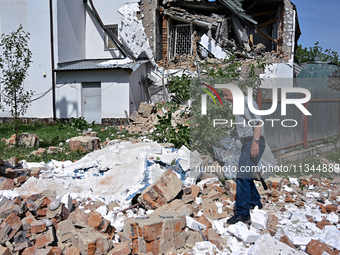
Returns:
<point x="316" y="53"/>
<point x="180" y="86"/>
<point x="334" y="80"/>
<point x="14" y="63"/>
<point x="203" y="134"/>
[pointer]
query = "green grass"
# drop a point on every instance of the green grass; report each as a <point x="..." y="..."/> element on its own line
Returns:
<point x="313" y="165"/>
<point x="52" y="135"/>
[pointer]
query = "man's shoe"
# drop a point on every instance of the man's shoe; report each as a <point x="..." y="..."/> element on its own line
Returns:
<point x="237" y="218"/>
<point x="260" y="206"/>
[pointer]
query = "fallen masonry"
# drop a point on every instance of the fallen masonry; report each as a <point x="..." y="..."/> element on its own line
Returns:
<point x="130" y="198"/>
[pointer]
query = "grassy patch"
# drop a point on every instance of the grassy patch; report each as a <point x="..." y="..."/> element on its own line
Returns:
<point x="52" y="135"/>
<point x="334" y="157"/>
<point x="314" y="165"/>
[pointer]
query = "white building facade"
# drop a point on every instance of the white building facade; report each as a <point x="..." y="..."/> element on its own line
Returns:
<point x="89" y="76"/>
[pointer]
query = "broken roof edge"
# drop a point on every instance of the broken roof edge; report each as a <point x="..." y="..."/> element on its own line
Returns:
<point x="298" y="32"/>
<point x="199" y="23"/>
<point x="238" y="11"/>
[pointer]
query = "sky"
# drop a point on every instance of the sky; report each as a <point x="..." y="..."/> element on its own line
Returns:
<point x="319" y="21"/>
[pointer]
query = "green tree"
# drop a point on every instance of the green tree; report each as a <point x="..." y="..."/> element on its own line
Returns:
<point x="202" y="132"/>
<point x="334" y="80"/>
<point x="316" y="53"/>
<point x="14" y="63"/>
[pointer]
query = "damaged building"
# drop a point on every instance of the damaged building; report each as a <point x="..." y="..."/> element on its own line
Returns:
<point x="183" y="31"/>
<point x="91" y="58"/>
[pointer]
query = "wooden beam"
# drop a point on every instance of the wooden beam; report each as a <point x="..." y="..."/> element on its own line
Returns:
<point x="251" y="40"/>
<point x="262" y="13"/>
<point x="267" y="23"/>
<point x="266" y="36"/>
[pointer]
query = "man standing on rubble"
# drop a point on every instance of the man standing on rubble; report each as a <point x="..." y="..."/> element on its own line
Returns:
<point x="253" y="145"/>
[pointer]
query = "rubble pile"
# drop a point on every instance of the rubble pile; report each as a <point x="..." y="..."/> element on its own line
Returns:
<point x="45" y="224"/>
<point x="25" y="139"/>
<point x="147" y="116"/>
<point x="13" y="174"/>
<point x="172" y="218"/>
<point x="142" y="198"/>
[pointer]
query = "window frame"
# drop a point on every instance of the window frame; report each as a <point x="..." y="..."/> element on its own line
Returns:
<point x="113" y="28"/>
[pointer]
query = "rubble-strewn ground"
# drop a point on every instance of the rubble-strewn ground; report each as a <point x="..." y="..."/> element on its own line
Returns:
<point x="81" y="208"/>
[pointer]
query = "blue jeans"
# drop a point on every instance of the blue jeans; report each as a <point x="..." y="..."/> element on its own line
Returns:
<point x="246" y="192"/>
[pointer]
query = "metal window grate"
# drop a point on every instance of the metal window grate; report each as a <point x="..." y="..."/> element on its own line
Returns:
<point x="181" y="40"/>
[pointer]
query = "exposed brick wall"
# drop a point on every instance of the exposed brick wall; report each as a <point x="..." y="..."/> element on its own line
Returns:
<point x="281" y="29"/>
<point x="29" y="121"/>
<point x="114" y="121"/>
<point x="164" y="61"/>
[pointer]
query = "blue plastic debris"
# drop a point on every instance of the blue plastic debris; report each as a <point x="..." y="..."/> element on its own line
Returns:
<point x="146" y="181"/>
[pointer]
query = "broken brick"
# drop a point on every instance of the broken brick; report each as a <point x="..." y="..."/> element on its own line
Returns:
<point x="14" y="222"/>
<point x="285" y="239"/>
<point x="35" y="250"/>
<point x="145" y="109"/>
<point x="272" y="220"/>
<point x="121" y="249"/>
<point x="195" y="190"/>
<point x="7" y="184"/>
<point x="64" y="231"/>
<point x="45" y="238"/>
<point x="79" y="217"/>
<point x="72" y="251"/>
<point x="9" y="208"/>
<point x="21" y="179"/>
<point x="98" y="222"/>
<point x="214" y="238"/>
<point x="86" y="239"/>
<point x="152" y="231"/>
<point x="34" y="172"/>
<point x="84" y="143"/>
<point x="210" y="209"/>
<point x="38" y="227"/>
<point x="289" y="200"/>
<point x="331" y="208"/>
<point x="165" y="189"/>
<point x="315" y="247"/>
<point x="61" y="213"/>
<point x="323" y="223"/>
<point x="55" y="250"/>
<point x="274" y="185"/>
<point x="202" y="219"/>
<point x="4" y="251"/>
<point x="5" y="231"/>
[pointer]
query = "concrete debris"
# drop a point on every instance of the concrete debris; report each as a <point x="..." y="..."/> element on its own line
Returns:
<point x="240" y="230"/>
<point x="25" y="139"/>
<point x="84" y="143"/>
<point x="156" y="234"/>
<point x="147" y="117"/>
<point x="194" y="224"/>
<point x="165" y="189"/>
<point x="267" y="245"/>
<point x="258" y="219"/>
<point x="86" y="207"/>
<point x="216" y="50"/>
<point x="145" y="109"/>
<point x="132" y="31"/>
